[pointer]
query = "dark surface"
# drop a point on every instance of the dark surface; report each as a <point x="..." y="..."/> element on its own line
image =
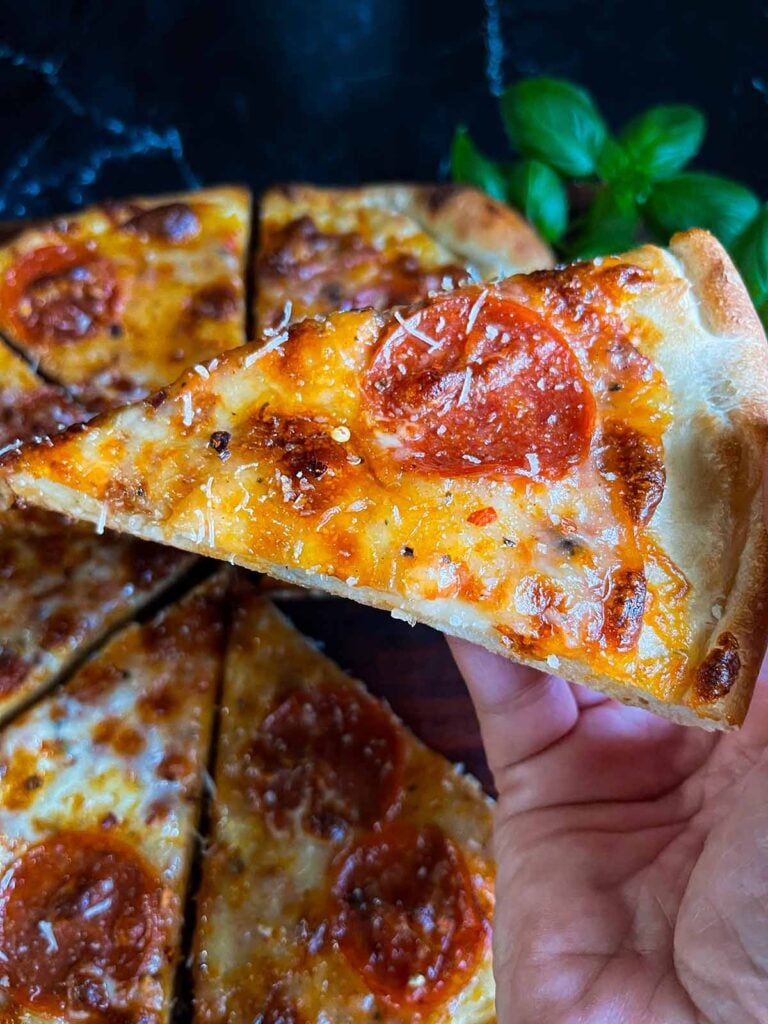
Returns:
<point x="106" y="99"/>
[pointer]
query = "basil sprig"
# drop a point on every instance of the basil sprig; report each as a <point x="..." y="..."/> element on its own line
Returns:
<point x="635" y="179"/>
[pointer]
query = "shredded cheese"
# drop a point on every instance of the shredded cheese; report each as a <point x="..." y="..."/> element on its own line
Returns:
<point x="97" y="908"/>
<point x="201" y="371"/>
<point x="272" y="344"/>
<point x="102" y="519"/>
<point x="415" y="333"/>
<point x="46" y="930"/>
<point x="465" y="386"/>
<point x="189" y="412"/>
<point x="474" y="312"/>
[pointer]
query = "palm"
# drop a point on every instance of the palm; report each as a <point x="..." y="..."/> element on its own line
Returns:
<point x="633" y="857"/>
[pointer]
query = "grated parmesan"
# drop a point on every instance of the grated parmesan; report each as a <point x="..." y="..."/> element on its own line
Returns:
<point x="415" y="333"/>
<point x="46" y="930"/>
<point x="97" y="908"/>
<point x="465" y="386"/>
<point x="272" y="344"/>
<point x="474" y="312"/>
<point x="189" y="413"/>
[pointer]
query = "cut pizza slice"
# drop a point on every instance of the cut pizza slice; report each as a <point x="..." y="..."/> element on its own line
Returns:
<point x="564" y="467"/>
<point x="328" y="249"/>
<point x="63" y="587"/>
<point x="99" y="799"/>
<point x="114" y="301"/>
<point x="350" y="875"/>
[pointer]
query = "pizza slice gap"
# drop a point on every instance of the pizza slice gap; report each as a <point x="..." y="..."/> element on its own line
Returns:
<point x="99" y="802"/>
<point x="326" y="807"/>
<point x="63" y="588"/>
<point x="327" y="249"/>
<point x="564" y="467"/>
<point x="113" y="301"/>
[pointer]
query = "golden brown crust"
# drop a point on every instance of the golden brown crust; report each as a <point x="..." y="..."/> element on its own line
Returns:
<point x="483" y="231"/>
<point x="723" y="300"/>
<point x="723" y="687"/>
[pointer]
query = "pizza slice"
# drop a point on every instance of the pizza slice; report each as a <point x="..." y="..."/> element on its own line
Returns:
<point x="350" y="875"/>
<point x="564" y="467"/>
<point x="328" y="249"/>
<point x="99" y="799"/>
<point x="63" y="587"/>
<point x="114" y="301"/>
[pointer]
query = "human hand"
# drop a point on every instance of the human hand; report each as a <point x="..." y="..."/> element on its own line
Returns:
<point x="632" y="855"/>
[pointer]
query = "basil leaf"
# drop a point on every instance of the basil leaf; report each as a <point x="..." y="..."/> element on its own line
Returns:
<point x="663" y="139"/>
<point x="613" y="162"/>
<point x="695" y="200"/>
<point x="751" y="255"/>
<point x="538" y="192"/>
<point x="556" y="122"/>
<point x="471" y="167"/>
<point x="609" y="226"/>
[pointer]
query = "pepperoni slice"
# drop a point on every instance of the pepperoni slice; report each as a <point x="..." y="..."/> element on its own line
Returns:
<point x="79" y="913"/>
<point x="335" y="753"/>
<point x="61" y="293"/>
<point x="475" y="383"/>
<point x="406" y="915"/>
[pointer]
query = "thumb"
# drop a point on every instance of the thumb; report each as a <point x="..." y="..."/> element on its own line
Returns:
<point x="521" y="711"/>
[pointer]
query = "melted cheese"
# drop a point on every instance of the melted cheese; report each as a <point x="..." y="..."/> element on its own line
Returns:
<point x="62" y="587"/>
<point x="263" y="913"/>
<point x="169" y="293"/>
<point x="95" y="750"/>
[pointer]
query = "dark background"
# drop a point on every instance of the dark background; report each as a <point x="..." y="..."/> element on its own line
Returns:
<point x="103" y="98"/>
<point x="107" y="98"/>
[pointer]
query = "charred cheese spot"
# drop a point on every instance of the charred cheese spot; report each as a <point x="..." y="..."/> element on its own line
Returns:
<point x="306" y="457"/>
<point x="719" y="670"/>
<point x="13" y="670"/>
<point x="61" y="293"/>
<point x="215" y="302"/>
<point x="172" y="222"/>
<point x="637" y="463"/>
<point x="35" y="412"/>
<point x="79" y="919"/>
<point x="122" y="737"/>
<point x="94" y="679"/>
<point x="623" y="608"/>
<point x="175" y="767"/>
<point x="324" y="271"/>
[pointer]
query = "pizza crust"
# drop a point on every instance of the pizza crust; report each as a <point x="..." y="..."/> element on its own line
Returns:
<point x="494" y="238"/>
<point x="491" y="236"/>
<point x="727" y="312"/>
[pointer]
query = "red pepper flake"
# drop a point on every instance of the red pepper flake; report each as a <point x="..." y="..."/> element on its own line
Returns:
<point x="483" y="516"/>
